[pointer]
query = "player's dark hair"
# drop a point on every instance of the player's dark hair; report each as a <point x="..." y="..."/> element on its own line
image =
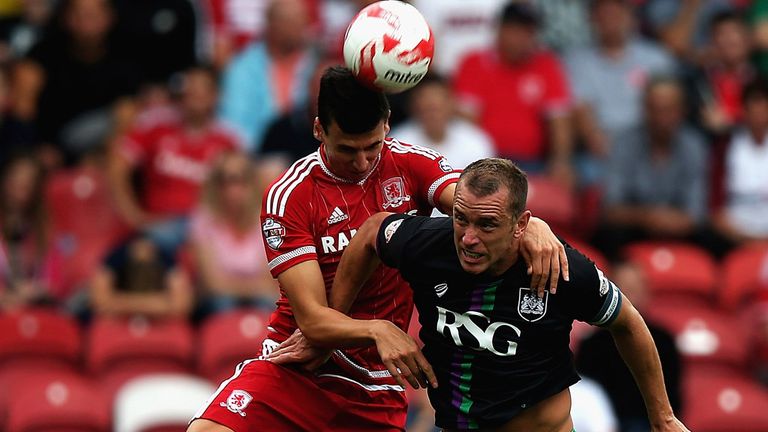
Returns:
<point x="485" y="176"/>
<point x="355" y="108"/>
<point x="725" y="17"/>
<point x="522" y="14"/>
<point x="756" y="89"/>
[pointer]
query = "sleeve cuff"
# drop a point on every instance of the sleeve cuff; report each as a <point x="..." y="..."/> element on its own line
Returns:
<point x="289" y="259"/>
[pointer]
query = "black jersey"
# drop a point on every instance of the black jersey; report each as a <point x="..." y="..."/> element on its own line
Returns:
<point x="496" y="347"/>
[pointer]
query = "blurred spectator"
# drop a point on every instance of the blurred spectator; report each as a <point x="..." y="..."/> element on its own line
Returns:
<point x="656" y="180"/>
<point x="85" y="70"/>
<point x="682" y="25"/>
<point x="758" y="20"/>
<point x="591" y="408"/>
<point x="226" y="239"/>
<point x="160" y="35"/>
<point x="598" y="359"/>
<point x="137" y="278"/>
<point x="289" y="137"/>
<point x="230" y="25"/>
<point x="716" y="87"/>
<point x="744" y="217"/>
<point x="518" y="93"/>
<point x="608" y="78"/>
<point x="269" y="78"/>
<point x="17" y="134"/>
<point x="565" y="23"/>
<point x="459" y="27"/>
<point x="173" y="156"/>
<point x="435" y="126"/>
<point x="19" y="33"/>
<point x="84" y="226"/>
<point x="26" y="266"/>
<point x="335" y="16"/>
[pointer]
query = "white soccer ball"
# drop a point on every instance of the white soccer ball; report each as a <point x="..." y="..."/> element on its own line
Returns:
<point x="389" y="46"/>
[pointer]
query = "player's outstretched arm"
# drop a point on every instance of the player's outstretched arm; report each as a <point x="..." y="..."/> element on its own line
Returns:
<point x="398" y="351"/>
<point x="638" y="350"/>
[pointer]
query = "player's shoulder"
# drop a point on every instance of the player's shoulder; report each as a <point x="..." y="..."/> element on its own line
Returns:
<point x="402" y="150"/>
<point x="427" y="231"/>
<point x="582" y="270"/>
<point x="295" y="183"/>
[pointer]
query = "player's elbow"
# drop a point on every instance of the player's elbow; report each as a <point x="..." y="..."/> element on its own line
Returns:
<point x="370" y="228"/>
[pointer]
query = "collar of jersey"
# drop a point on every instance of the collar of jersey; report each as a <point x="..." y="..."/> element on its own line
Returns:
<point x="321" y="152"/>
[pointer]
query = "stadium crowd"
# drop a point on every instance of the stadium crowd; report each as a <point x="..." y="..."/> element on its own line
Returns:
<point x="136" y="138"/>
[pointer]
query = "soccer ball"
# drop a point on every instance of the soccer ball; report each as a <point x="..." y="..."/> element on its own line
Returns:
<point x="389" y="46"/>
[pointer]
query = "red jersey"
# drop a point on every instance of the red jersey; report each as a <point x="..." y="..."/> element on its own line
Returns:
<point x="308" y="213"/>
<point x="174" y="162"/>
<point x="513" y="101"/>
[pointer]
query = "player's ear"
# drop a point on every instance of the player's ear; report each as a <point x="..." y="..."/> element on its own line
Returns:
<point x="386" y="124"/>
<point x="522" y="223"/>
<point x="317" y="130"/>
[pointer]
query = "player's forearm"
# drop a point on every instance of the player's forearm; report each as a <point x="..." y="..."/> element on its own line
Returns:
<point x="357" y="264"/>
<point x="329" y="328"/>
<point x="638" y="350"/>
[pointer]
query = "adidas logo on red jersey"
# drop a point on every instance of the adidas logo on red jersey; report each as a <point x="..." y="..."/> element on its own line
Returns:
<point x="337" y="216"/>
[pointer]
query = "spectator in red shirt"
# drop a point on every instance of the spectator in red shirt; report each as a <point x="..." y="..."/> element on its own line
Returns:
<point x="172" y="155"/>
<point x="519" y="94"/>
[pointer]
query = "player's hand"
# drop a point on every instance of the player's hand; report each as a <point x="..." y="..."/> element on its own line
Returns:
<point x="402" y="356"/>
<point x="671" y="424"/>
<point x="545" y="256"/>
<point x="297" y="349"/>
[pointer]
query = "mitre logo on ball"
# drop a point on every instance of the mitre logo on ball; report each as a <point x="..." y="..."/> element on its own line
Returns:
<point x="389" y="46"/>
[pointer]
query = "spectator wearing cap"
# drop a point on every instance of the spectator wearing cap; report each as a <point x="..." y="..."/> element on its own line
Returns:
<point x="608" y="79"/>
<point x="519" y="94"/>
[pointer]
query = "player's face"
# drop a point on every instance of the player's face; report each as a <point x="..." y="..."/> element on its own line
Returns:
<point x="485" y="233"/>
<point x="351" y="157"/>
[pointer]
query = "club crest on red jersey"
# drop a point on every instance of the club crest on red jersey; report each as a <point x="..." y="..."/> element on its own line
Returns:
<point x="394" y="194"/>
<point x="237" y="401"/>
<point x="273" y="233"/>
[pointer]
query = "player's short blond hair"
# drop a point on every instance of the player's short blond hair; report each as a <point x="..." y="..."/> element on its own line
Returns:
<point x="485" y="176"/>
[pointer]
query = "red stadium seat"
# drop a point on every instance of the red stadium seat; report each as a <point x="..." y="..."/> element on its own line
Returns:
<point x="675" y="269"/>
<point x="15" y="372"/>
<point x="724" y="402"/>
<point x="745" y="273"/>
<point x="229" y="338"/>
<point x="552" y="202"/>
<point x="39" y="334"/>
<point x="118" y="344"/>
<point x="85" y="224"/>
<point x="703" y="335"/>
<point x="57" y="402"/>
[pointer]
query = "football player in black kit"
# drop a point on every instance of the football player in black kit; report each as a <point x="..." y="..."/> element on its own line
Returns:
<point x="500" y="352"/>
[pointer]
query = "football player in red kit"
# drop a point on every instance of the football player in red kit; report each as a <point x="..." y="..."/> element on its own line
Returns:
<point x="309" y="214"/>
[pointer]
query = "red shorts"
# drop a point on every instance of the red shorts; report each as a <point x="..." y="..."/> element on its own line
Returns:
<point x="263" y="396"/>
